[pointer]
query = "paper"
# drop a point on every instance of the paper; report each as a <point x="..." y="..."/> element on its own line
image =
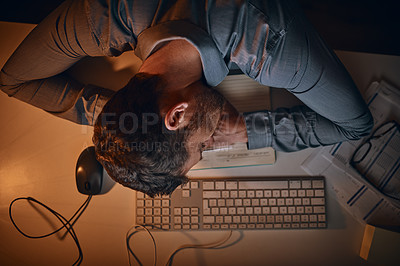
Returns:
<point x="234" y="156"/>
<point x="361" y="199"/>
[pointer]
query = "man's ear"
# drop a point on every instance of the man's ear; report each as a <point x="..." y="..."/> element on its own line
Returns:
<point x="175" y="116"/>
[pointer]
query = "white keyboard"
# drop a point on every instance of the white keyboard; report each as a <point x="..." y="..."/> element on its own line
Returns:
<point x="237" y="204"/>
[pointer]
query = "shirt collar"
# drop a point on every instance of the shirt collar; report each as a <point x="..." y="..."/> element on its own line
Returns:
<point x="214" y="67"/>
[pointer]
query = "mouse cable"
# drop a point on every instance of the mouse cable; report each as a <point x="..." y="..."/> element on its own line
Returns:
<point x="65" y="223"/>
<point x="214" y="245"/>
<point x="128" y="247"/>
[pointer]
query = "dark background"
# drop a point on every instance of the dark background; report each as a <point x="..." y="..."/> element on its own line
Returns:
<point x="354" y="25"/>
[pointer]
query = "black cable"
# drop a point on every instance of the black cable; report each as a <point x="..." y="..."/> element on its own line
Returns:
<point x="65" y="223"/>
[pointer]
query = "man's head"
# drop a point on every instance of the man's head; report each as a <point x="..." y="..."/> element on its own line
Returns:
<point x="147" y="137"/>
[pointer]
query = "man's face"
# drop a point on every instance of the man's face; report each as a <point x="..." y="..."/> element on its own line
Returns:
<point x="209" y="104"/>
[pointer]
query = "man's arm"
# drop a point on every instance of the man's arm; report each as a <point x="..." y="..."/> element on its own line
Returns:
<point x="302" y="63"/>
<point x="34" y="73"/>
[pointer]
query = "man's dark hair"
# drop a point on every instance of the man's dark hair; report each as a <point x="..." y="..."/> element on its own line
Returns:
<point x="132" y="143"/>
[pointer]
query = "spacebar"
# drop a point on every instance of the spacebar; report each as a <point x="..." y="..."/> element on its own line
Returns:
<point x="273" y="184"/>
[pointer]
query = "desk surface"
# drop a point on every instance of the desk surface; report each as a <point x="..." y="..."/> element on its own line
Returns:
<point x="38" y="153"/>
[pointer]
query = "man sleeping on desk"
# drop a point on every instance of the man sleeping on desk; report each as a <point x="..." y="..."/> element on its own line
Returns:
<point x="151" y="132"/>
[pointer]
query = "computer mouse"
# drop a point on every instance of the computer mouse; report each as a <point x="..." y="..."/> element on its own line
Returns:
<point x="91" y="178"/>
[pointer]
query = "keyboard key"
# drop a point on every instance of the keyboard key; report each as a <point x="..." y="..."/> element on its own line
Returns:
<point x="177" y="211"/>
<point x="223" y="211"/>
<point x="266" y="210"/>
<point x="289" y="201"/>
<point x="280" y="202"/>
<point x="267" y="193"/>
<point x="259" y="193"/>
<point x="282" y="210"/>
<point x="317" y="201"/>
<point x="306" y="201"/>
<point x="214" y="211"/>
<point x="140" y="220"/>
<point x="276" y="193"/>
<point x="221" y="202"/>
<point x="208" y="185"/>
<point x="157" y="211"/>
<point x="208" y="219"/>
<point x="194" y="226"/>
<point x="225" y="194"/>
<point x="310" y="193"/>
<point x="219" y="219"/>
<point x="194" y="185"/>
<point x="244" y="219"/>
<point x="185" y="211"/>
<point x="185" y="193"/>
<point x="319" y="209"/>
<point x="263" y="184"/>
<point x="318" y="184"/>
<point x="308" y="209"/>
<point x="306" y="183"/>
<point x="140" y="211"/>
<point x="246" y="202"/>
<point x="194" y="211"/>
<point x="249" y="210"/>
<point x="231" y="185"/>
<point x="177" y="219"/>
<point x="272" y="202"/>
<point x="212" y="203"/>
<point x="293" y="193"/>
<point x="300" y="209"/>
<point x="165" y="203"/>
<point x="140" y="203"/>
<point x="194" y="219"/>
<point x="304" y="218"/>
<point x="319" y="193"/>
<point x="285" y="193"/>
<point x="211" y="194"/>
<point x="251" y="194"/>
<point x="294" y="184"/>
<point x="301" y="193"/>
<point x="157" y="220"/>
<point x="230" y="202"/>
<point x="238" y="202"/>
<point x="220" y="185"/>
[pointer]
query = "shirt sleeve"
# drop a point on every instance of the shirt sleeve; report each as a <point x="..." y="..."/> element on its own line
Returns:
<point x="291" y="129"/>
<point x="333" y="111"/>
<point x="35" y="73"/>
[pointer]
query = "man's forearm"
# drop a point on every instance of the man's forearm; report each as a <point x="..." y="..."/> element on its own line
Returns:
<point x="296" y="129"/>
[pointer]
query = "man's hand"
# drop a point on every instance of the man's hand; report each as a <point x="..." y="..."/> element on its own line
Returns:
<point x="231" y="128"/>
